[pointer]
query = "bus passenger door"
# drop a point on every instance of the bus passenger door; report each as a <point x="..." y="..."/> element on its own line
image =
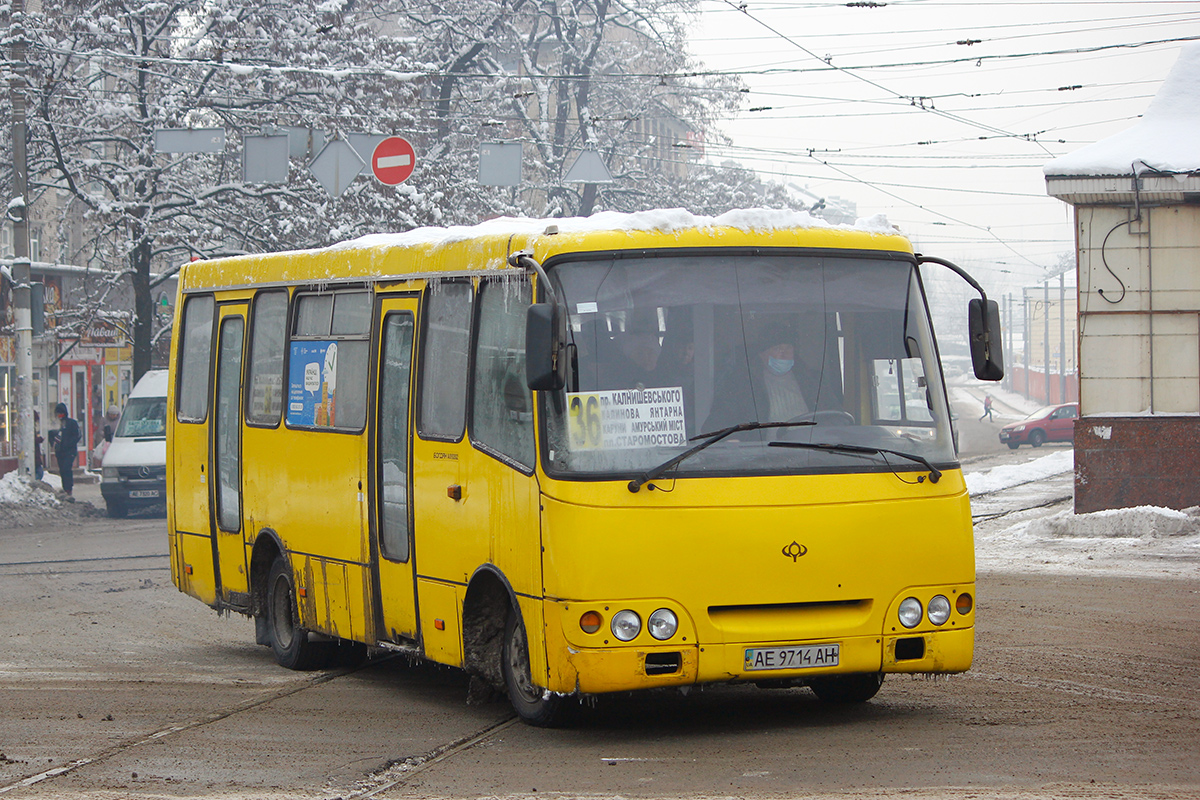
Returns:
<point x="393" y="550"/>
<point x="225" y="464"/>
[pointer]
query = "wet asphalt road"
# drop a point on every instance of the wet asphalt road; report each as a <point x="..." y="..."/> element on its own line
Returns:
<point x="113" y="684"/>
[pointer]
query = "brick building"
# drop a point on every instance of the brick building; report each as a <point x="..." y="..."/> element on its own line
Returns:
<point x="1136" y="197"/>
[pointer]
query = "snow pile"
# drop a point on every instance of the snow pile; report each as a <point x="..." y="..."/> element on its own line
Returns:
<point x="1143" y="522"/>
<point x="1143" y="541"/>
<point x="1010" y="475"/>
<point x="1163" y="140"/>
<point x="665" y="220"/>
<point x="15" y="490"/>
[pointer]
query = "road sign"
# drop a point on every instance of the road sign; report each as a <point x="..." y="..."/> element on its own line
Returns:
<point x="588" y="168"/>
<point x="336" y="167"/>
<point x="189" y="140"/>
<point x="393" y="160"/>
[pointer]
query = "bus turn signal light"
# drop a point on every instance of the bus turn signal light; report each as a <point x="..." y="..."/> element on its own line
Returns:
<point x="964" y="603"/>
<point x="590" y="622"/>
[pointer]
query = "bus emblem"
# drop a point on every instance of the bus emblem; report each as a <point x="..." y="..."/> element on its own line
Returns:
<point x="795" y="550"/>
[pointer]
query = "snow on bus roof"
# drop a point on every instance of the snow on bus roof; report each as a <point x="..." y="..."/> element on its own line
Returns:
<point x="662" y="220"/>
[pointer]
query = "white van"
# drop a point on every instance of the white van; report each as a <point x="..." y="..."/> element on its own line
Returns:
<point x="134" y="471"/>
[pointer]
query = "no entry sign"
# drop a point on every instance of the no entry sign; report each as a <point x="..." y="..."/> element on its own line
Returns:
<point x="393" y="160"/>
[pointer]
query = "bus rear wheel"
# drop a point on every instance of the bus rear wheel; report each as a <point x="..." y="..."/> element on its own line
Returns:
<point x="847" y="688"/>
<point x="289" y="639"/>
<point x="533" y="705"/>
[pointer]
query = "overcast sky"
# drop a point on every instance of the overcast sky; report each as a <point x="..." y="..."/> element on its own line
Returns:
<point x="886" y="106"/>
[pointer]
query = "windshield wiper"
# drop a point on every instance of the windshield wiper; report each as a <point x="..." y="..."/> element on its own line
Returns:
<point x="710" y="438"/>
<point x="934" y="473"/>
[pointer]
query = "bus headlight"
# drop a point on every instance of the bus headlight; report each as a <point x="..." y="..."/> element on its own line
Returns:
<point x="910" y="612"/>
<point x="626" y="625"/>
<point x="663" y="624"/>
<point x="939" y="610"/>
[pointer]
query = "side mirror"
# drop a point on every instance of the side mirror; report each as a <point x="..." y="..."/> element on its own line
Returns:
<point x="987" y="352"/>
<point x="545" y="364"/>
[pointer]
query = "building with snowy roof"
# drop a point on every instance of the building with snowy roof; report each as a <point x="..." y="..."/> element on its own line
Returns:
<point x="1137" y="224"/>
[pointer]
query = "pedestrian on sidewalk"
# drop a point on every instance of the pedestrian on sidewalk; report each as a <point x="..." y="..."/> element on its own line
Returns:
<point x="987" y="408"/>
<point x="66" y="446"/>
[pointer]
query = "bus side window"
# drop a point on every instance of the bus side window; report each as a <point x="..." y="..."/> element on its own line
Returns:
<point x="445" y="346"/>
<point x="195" y="359"/>
<point x="502" y="405"/>
<point x="268" y="332"/>
<point x="327" y="365"/>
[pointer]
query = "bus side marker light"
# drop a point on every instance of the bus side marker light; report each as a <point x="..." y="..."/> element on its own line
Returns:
<point x="439" y="624"/>
<point x="964" y="604"/>
<point x="590" y="622"/>
<point x="302" y="591"/>
<point x="454" y="491"/>
<point x="187" y="568"/>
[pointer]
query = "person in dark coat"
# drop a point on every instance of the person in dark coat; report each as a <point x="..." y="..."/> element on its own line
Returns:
<point x="66" y="446"/>
<point x="774" y="393"/>
<point x="39" y="468"/>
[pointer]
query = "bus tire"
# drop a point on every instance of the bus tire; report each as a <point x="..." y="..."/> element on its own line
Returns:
<point x="288" y="639"/>
<point x="533" y="705"/>
<point x="858" y="688"/>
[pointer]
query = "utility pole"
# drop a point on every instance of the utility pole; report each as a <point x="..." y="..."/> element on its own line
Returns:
<point x="18" y="213"/>
<point x="1008" y="340"/>
<point x="1062" y="338"/>
<point x="1025" y="330"/>
<point x="1046" y="338"/>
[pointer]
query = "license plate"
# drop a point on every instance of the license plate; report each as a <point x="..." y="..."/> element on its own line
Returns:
<point x="793" y="657"/>
<point x="144" y="493"/>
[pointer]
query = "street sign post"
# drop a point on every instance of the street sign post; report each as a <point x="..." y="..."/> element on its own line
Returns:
<point x="393" y="160"/>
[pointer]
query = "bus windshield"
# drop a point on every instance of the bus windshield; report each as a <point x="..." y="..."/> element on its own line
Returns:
<point x="665" y="349"/>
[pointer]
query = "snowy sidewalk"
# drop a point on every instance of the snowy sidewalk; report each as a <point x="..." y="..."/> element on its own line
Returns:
<point x="1130" y="541"/>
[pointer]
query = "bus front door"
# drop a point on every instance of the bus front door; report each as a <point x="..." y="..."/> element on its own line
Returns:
<point x="393" y="550"/>
<point x="225" y="459"/>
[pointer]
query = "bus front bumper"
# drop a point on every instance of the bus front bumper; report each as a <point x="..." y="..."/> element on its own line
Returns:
<point x="597" y="670"/>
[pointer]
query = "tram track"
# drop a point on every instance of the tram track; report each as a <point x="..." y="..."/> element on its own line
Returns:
<point x="371" y="785"/>
<point x="210" y="718"/>
<point x="69" y="565"/>
<point x="990" y="516"/>
<point x="402" y="771"/>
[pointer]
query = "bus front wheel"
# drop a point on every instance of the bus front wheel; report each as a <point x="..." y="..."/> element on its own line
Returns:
<point x="533" y="705"/>
<point x="288" y="639"/>
<point x="847" y="688"/>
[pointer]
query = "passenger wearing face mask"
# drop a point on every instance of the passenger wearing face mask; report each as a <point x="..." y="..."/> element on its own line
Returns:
<point x="773" y="394"/>
<point x="778" y="391"/>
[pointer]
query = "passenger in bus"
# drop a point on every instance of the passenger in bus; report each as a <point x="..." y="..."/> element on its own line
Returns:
<point x="633" y="358"/>
<point x="677" y="363"/>
<point x="774" y="393"/>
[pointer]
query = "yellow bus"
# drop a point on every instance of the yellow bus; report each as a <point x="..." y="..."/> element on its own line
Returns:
<point x="581" y="456"/>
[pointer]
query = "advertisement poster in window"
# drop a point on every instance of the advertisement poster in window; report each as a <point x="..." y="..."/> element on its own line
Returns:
<point x="312" y="384"/>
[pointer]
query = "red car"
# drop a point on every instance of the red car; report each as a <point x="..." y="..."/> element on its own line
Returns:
<point x="1049" y="424"/>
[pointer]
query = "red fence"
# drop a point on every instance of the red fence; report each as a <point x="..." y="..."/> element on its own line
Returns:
<point x="1032" y="384"/>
